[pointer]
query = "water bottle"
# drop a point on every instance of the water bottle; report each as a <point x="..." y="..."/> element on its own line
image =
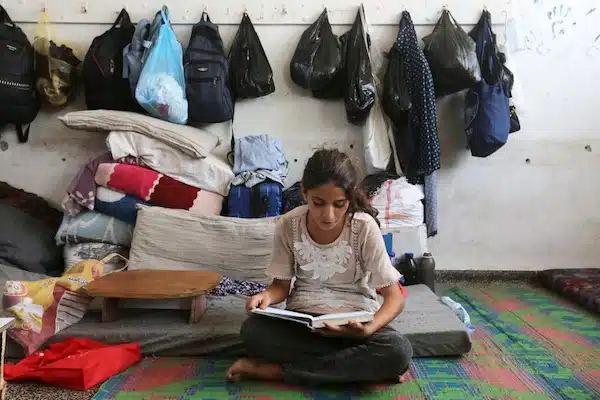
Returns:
<point x="427" y="271"/>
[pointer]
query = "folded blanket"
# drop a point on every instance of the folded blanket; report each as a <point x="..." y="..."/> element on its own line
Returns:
<point x="91" y="226"/>
<point x="157" y="189"/>
<point x="193" y="141"/>
<point x="118" y="205"/>
<point x="81" y="192"/>
<point x="210" y="173"/>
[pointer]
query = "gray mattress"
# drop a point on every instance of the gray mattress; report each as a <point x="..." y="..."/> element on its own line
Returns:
<point x="432" y="328"/>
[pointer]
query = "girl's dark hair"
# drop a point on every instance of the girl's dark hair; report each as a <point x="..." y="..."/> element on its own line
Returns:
<point x="333" y="166"/>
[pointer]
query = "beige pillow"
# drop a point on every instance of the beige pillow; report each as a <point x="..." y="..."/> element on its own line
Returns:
<point x="193" y="141"/>
<point x="179" y="240"/>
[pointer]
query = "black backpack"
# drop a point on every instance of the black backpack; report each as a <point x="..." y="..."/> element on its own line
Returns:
<point x="207" y="75"/>
<point x="19" y="99"/>
<point x="103" y="82"/>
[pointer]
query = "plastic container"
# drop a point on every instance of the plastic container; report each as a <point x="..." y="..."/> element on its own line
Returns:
<point x="427" y="271"/>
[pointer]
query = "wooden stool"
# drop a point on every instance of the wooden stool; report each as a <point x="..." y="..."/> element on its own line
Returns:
<point x="153" y="285"/>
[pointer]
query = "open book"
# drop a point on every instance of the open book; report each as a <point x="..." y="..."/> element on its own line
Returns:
<point x="316" y="322"/>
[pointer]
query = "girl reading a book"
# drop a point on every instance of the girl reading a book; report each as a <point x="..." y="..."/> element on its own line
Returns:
<point x="334" y="249"/>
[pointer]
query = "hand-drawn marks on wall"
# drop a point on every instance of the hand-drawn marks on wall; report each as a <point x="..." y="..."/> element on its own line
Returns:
<point x="559" y="20"/>
<point x="535" y="41"/>
<point x="555" y="26"/>
<point x="593" y="18"/>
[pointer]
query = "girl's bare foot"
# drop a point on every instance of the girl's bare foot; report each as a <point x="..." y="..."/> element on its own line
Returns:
<point x="402" y="378"/>
<point x="245" y="368"/>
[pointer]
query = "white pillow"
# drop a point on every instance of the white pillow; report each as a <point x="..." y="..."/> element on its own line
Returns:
<point x="193" y="141"/>
<point x="170" y="239"/>
<point x="210" y="173"/>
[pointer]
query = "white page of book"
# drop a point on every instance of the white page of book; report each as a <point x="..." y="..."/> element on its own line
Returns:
<point x="349" y="315"/>
<point x="279" y="311"/>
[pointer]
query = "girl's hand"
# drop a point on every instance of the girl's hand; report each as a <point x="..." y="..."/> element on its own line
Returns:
<point x="353" y="329"/>
<point x="261" y="300"/>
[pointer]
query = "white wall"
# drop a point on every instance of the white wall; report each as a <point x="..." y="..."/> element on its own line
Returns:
<point x="497" y="213"/>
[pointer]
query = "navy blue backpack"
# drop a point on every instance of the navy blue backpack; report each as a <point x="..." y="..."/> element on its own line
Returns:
<point x="487" y="114"/>
<point x="207" y="75"/>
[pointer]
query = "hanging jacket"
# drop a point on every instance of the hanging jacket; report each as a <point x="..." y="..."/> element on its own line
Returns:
<point x="422" y="119"/>
<point x="417" y="136"/>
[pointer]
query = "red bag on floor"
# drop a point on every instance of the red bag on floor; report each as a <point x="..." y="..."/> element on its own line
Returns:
<point x="74" y="363"/>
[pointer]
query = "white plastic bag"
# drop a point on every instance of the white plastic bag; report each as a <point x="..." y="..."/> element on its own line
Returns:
<point x="378" y="135"/>
<point x="399" y="203"/>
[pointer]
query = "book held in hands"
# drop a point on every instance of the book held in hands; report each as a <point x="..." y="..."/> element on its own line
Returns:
<point x="317" y="322"/>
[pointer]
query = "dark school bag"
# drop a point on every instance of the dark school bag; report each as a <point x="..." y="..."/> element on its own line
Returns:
<point x="19" y="99"/>
<point x="103" y="81"/>
<point x="207" y="75"/>
<point x="487" y="113"/>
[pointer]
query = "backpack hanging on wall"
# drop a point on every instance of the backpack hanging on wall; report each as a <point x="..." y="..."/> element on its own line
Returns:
<point x="207" y="75"/>
<point x="135" y="53"/>
<point x="103" y="81"/>
<point x="19" y="99"/>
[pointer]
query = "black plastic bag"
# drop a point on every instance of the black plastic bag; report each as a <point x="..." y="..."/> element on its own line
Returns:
<point x="395" y="98"/>
<point x="360" y="90"/>
<point x="317" y="58"/>
<point x="451" y="55"/>
<point x="250" y="73"/>
<point x="337" y="87"/>
<point x="515" y="123"/>
<point x="292" y="197"/>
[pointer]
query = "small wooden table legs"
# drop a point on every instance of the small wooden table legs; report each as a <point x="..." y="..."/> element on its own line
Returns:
<point x="198" y="308"/>
<point x="110" y="309"/>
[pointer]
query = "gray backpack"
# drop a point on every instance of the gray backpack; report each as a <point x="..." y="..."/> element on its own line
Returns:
<point x="135" y="53"/>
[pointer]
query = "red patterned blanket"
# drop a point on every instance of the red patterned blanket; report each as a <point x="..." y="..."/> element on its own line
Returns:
<point x="157" y="188"/>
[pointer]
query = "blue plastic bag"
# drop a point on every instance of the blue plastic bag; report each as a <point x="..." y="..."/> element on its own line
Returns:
<point x="161" y="86"/>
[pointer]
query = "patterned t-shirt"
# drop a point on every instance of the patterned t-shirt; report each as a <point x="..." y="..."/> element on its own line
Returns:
<point x="336" y="277"/>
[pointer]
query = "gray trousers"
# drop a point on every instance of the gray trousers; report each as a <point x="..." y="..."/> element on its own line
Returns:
<point x="310" y="359"/>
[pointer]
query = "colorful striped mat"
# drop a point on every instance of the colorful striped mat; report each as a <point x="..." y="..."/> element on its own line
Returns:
<point x="528" y="345"/>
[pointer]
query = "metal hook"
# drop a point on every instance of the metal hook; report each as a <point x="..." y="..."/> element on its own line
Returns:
<point x="205" y="9"/>
<point x="505" y="14"/>
<point x="485" y="7"/>
<point x="445" y="7"/>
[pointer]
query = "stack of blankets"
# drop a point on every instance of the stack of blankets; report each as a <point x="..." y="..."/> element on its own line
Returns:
<point x="100" y="205"/>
